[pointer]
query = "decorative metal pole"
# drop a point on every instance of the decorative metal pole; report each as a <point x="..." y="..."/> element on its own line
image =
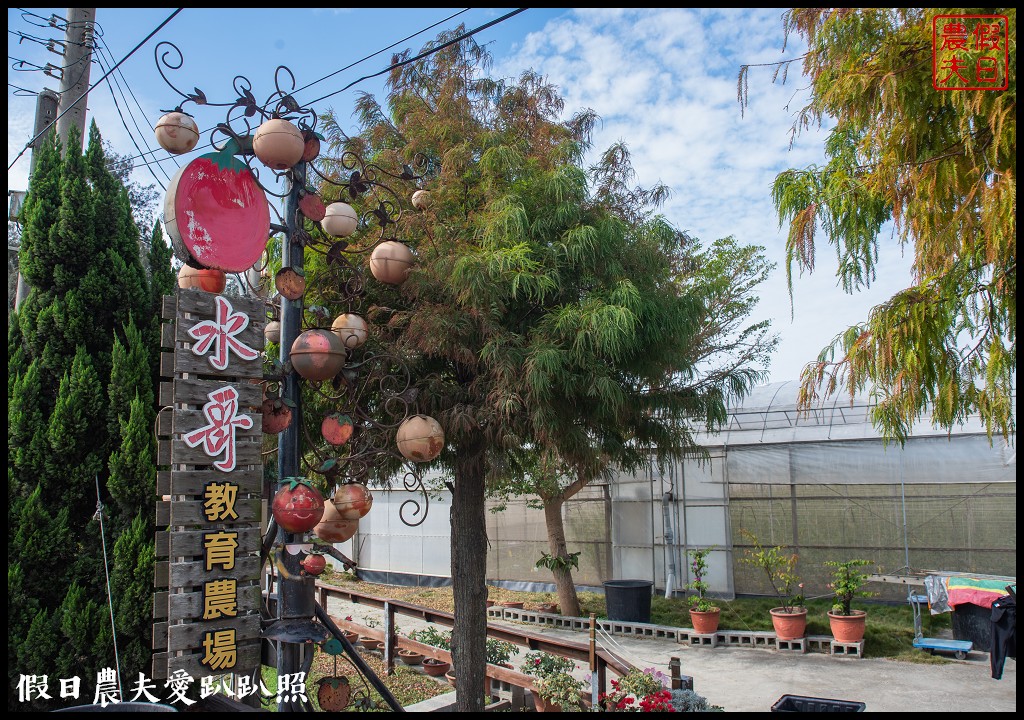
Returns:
<point x="295" y="591"/>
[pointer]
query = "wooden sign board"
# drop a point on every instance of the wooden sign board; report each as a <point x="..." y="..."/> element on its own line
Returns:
<point x="207" y="604"/>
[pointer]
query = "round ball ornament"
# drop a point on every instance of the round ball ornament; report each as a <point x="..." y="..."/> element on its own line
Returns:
<point x="298" y="506"/>
<point x="290" y="282"/>
<point x="177" y="132"/>
<point x="272" y="331"/>
<point x="278" y="144"/>
<point x="421" y="199"/>
<point x="350" y="329"/>
<point x="353" y="501"/>
<point x="312" y="207"/>
<point x="420" y="438"/>
<point x="334" y="528"/>
<point x="391" y="262"/>
<point x="206" y="279"/>
<point x="317" y="355"/>
<point x="340" y="220"/>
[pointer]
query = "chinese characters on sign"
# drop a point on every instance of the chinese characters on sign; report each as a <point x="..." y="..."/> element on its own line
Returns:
<point x="970" y="52"/>
<point x="37" y="687"/>
<point x="212" y="493"/>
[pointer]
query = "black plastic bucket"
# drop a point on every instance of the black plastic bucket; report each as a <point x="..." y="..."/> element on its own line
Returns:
<point x="628" y="600"/>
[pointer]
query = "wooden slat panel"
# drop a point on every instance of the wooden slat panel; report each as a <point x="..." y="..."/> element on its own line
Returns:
<point x="197" y="302"/>
<point x="193" y="482"/>
<point x="190" y="636"/>
<point x="160" y="636"/>
<point x="167" y="335"/>
<point x="167" y="364"/>
<point x="246" y="453"/>
<point x="160" y="601"/>
<point x="248" y="661"/>
<point x="163" y="513"/>
<point x="190" y="512"/>
<point x="189" y="606"/>
<point x="186" y="362"/>
<point x="163" y="543"/>
<point x="194" y="574"/>
<point x="166" y="394"/>
<point x="169" y="307"/>
<point x="185" y="421"/>
<point x="161" y="571"/>
<point x="165" y="423"/>
<point x="163" y="483"/>
<point x="196" y="392"/>
<point x="163" y="453"/>
<point x="160" y="665"/>
<point x="189" y="543"/>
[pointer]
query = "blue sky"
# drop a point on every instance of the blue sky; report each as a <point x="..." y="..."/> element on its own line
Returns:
<point x="662" y="80"/>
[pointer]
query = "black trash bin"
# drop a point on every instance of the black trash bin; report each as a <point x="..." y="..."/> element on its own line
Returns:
<point x="800" y="703"/>
<point x="628" y="600"/>
<point x="973" y="622"/>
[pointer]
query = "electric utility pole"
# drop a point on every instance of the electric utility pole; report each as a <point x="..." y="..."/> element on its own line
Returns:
<point x="46" y="111"/>
<point x="74" y="81"/>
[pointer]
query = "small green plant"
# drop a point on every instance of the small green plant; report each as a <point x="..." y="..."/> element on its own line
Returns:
<point x="846" y="584"/>
<point x="780" y="569"/>
<point x="562" y="689"/>
<point x="500" y="652"/>
<point x="555" y="562"/>
<point x="689" y="701"/>
<point x="430" y="635"/>
<point x="541" y="664"/>
<point x="699" y="567"/>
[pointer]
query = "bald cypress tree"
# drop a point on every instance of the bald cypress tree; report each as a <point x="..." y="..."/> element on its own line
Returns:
<point x="546" y="317"/>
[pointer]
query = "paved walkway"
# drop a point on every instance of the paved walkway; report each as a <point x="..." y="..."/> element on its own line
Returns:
<point x="752" y="680"/>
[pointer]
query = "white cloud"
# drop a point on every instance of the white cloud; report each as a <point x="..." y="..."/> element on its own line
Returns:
<point x="664" y="82"/>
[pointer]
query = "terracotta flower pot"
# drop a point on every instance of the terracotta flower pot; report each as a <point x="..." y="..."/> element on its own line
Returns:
<point x="435" y="667"/>
<point x="542" y="705"/>
<point x="549" y="608"/>
<point x="371" y="644"/>
<point x="351" y="636"/>
<point x="514" y="605"/>
<point x="789" y="626"/>
<point x="450" y="677"/>
<point x="410" y="657"/>
<point x="705" y="623"/>
<point x="848" y="628"/>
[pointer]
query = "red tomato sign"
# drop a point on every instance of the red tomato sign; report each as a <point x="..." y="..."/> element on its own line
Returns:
<point x="220" y="213"/>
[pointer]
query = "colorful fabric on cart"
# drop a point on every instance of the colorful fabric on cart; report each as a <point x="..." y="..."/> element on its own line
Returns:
<point x="972" y="590"/>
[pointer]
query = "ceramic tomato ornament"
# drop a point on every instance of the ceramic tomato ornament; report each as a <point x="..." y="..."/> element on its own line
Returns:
<point x="336" y="428"/>
<point x="298" y="506"/>
<point x="216" y="212"/>
<point x="277" y="416"/>
<point x="314" y="564"/>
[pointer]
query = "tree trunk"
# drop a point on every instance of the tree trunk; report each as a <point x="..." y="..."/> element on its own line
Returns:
<point x="469" y="570"/>
<point x="567" y="599"/>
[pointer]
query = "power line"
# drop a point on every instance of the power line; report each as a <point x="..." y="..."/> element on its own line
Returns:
<point x="399" y="42"/>
<point x="422" y="55"/>
<point x="117" y="106"/>
<point x="86" y="93"/>
<point x="101" y="49"/>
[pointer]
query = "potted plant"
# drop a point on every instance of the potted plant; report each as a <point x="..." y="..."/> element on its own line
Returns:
<point x="847" y="625"/>
<point x="559" y="692"/>
<point x="499" y="652"/>
<point x="435" y="667"/>
<point x="790" y="618"/>
<point x="703" y="614"/>
<point x="638" y="691"/>
<point x="541" y="664"/>
<point x="410" y="657"/>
